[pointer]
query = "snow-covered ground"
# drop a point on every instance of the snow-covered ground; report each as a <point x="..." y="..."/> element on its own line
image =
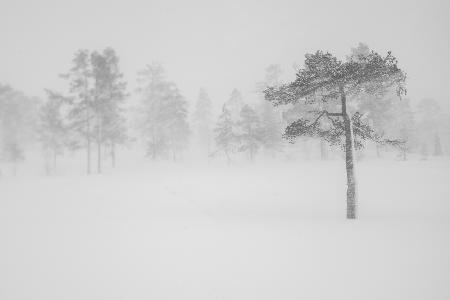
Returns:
<point x="273" y="231"/>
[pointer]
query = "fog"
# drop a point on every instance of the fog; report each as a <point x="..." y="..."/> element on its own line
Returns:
<point x="224" y="150"/>
<point x="221" y="45"/>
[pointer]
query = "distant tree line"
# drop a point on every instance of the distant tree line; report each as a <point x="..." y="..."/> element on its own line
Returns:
<point x="92" y="115"/>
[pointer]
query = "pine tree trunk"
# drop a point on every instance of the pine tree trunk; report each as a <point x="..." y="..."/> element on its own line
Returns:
<point x="228" y="157"/>
<point x="349" y="160"/>
<point x="99" y="158"/>
<point x="113" y="155"/>
<point x="88" y="146"/>
<point x="424" y="151"/>
<point x="437" y="145"/>
<point x="14" y="168"/>
<point x="47" y="166"/>
<point x="88" y="155"/>
<point x="99" y="146"/>
<point x="88" y="132"/>
<point x="54" y="160"/>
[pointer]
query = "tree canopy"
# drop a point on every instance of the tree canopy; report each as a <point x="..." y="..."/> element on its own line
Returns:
<point x="325" y="78"/>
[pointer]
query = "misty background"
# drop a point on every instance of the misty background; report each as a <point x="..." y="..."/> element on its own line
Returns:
<point x="224" y="150"/>
<point x="221" y="45"/>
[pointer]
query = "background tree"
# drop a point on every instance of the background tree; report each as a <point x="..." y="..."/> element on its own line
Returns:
<point x="271" y="121"/>
<point x="109" y="93"/>
<point x="176" y="126"/>
<point x="431" y="120"/>
<point x="163" y="114"/>
<point x="250" y="138"/>
<point x="17" y="124"/>
<point x="226" y="139"/>
<point x="271" y="130"/>
<point x="375" y="107"/>
<point x="378" y="113"/>
<point x="52" y="128"/>
<point x="234" y="104"/>
<point x="81" y="108"/>
<point x="403" y="126"/>
<point x="325" y="78"/>
<point x="100" y="99"/>
<point x="202" y="119"/>
<point x="12" y="152"/>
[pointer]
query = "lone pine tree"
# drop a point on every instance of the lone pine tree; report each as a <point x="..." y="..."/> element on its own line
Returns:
<point x="324" y="78"/>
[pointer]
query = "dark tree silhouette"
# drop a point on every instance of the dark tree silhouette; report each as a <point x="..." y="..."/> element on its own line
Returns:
<point x="324" y="78"/>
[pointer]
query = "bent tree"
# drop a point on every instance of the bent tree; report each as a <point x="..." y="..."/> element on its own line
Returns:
<point x="325" y="79"/>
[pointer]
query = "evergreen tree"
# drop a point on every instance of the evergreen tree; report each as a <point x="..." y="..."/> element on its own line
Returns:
<point x="270" y="116"/>
<point x="163" y="118"/>
<point x="12" y="152"/>
<point x="251" y="134"/>
<point x="109" y="95"/>
<point x="176" y="126"/>
<point x="437" y="146"/>
<point x="17" y="124"/>
<point x="97" y="92"/>
<point x="431" y="120"/>
<point x="52" y="129"/>
<point x="403" y="127"/>
<point x="81" y="106"/>
<point x="234" y="104"/>
<point x="324" y="78"/>
<point x="377" y="112"/>
<point x="271" y="129"/>
<point x="376" y="107"/>
<point x="202" y="119"/>
<point x="226" y="139"/>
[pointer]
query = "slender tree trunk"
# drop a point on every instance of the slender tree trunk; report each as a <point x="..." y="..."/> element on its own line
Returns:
<point x="88" y="131"/>
<point x="113" y="154"/>
<point x="437" y="145"/>
<point x="88" y="149"/>
<point x="378" y="150"/>
<point x="99" y="145"/>
<point x="349" y="160"/>
<point x="99" y="157"/>
<point x="14" y="167"/>
<point x="54" y="160"/>
<point x="424" y="151"/>
<point x="228" y="157"/>
<point x="153" y="148"/>
<point x="47" y="166"/>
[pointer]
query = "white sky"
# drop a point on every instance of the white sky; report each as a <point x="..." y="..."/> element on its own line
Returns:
<point x="221" y="45"/>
